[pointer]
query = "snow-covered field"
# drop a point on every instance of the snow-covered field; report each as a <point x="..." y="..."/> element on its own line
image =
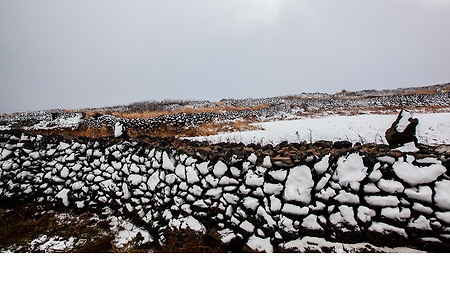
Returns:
<point x="433" y="128"/>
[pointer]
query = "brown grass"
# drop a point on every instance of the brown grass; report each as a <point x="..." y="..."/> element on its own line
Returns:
<point x="79" y="132"/>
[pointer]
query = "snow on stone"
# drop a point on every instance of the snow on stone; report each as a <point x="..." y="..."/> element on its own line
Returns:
<point x="126" y="232"/>
<point x="191" y="175"/>
<point x="267" y="163"/>
<point x="365" y="214"/>
<point x="415" y="175"/>
<point x="286" y="224"/>
<point x="382" y="201"/>
<point x="226" y="235"/>
<point x="404" y="120"/>
<point x="322" y="165"/>
<point x="263" y="213"/>
<point x="299" y="185"/>
<point x="62" y="146"/>
<point x="118" y="129"/>
<point x="322" y="182"/>
<point x="444" y="216"/>
<point x="326" y="194"/>
<point x="180" y="171"/>
<point x="310" y="223"/>
<point x="275" y="204"/>
<point x="135" y="179"/>
<point x="108" y="185"/>
<point x="203" y="168"/>
<point x="171" y="179"/>
<point x="34" y="155"/>
<point x="188" y="222"/>
<point x="52" y="244"/>
<point x="219" y="169"/>
<point x="386" y="159"/>
<point x="126" y="191"/>
<point x="211" y="180"/>
<point x="344" y="215"/>
<point x="279" y="175"/>
<point x="421" y="223"/>
<point x="134" y="168"/>
<point x="371" y="188"/>
<point x="63" y="195"/>
<point x="408" y="147"/>
<point x="76" y="186"/>
<point x="417" y="207"/>
<point x="247" y="226"/>
<point x="394" y="213"/>
<point x="421" y="193"/>
<point x="200" y="204"/>
<point x="387" y="229"/>
<point x="252" y="179"/>
<point x="230" y="198"/>
<point x="235" y="171"/>
<point x="252" y="158"/>
<point x="294" y="210"/>
<point x="351" y="170"/>
<point x="251" y="203"/>
<point x="428" y="160"/>
<point x="79" y="204"/>
<point x="6" y="153"/>
<point x="442" y="194"/>
<point x="167" y="163"/>
<point x="260" y="244"/>
<point x="273" y="189"/>
<point x="227" y="181"/>
<point x="64" y="172"/>
<point x="347" y="198"/>
<point x="390" y="186"/>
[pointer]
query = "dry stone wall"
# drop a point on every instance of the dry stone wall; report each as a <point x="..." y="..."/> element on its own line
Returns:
<point x="250" y="197"/>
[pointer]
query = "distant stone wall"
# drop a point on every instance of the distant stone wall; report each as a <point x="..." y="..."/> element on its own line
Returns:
<point x="261" y="198"/>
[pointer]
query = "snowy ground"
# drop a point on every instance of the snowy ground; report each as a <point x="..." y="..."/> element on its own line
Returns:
<point x="433" y="128"/>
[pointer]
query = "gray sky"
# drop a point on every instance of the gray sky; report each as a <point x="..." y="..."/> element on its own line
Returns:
<point x="94" y="53"/>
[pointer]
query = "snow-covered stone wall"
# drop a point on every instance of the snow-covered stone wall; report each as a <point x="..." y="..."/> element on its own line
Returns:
<point x="264" y="198"/>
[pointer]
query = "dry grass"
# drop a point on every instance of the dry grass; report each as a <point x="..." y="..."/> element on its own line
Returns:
<point x="79" y="132"/>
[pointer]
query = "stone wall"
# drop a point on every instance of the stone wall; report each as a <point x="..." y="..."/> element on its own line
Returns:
<point x="261" y="198"/>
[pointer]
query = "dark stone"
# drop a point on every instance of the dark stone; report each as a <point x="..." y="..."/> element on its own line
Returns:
<point x="322" y="144"/>
<point x="342" y="144"/>
<point x="398" y="139"/>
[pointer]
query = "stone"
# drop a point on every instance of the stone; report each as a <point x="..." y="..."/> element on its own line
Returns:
<point x="403" y="130"/>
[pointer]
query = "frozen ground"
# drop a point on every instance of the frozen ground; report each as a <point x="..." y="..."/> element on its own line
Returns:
<point x="433" y="128"/>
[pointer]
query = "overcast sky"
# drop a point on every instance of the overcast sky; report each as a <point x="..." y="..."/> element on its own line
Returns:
<point x="94" y="53"/>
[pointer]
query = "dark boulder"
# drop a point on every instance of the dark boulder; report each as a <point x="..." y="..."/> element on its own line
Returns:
<point x="403" y="130"/>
